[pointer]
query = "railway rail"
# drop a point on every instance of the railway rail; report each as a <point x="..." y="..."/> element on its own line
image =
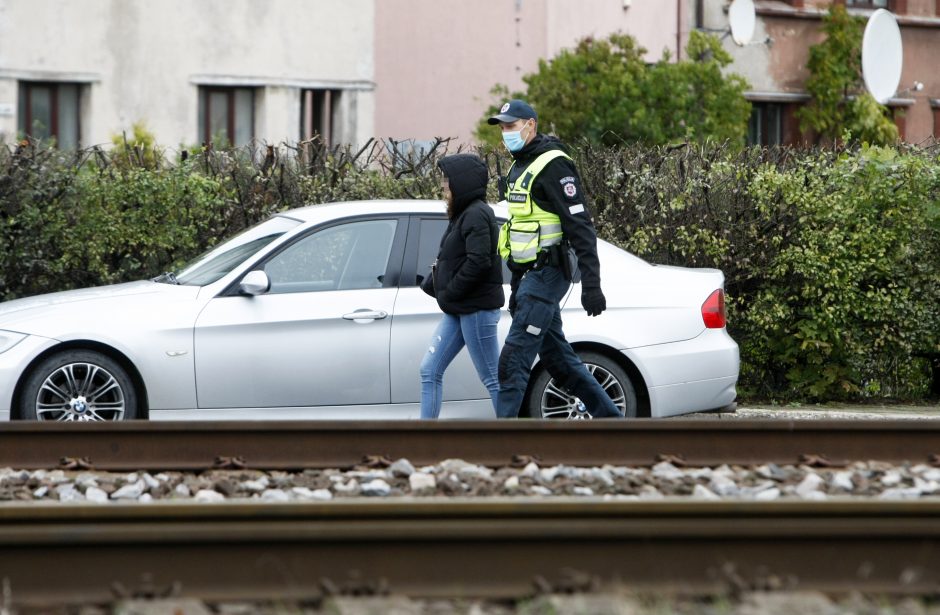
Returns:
<point x="139" y="445"/>
<point x="453" y="548"/>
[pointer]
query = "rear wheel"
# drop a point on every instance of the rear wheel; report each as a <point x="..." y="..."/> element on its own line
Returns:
<point x="78" y="385"/>
<point x="549" y="401"/>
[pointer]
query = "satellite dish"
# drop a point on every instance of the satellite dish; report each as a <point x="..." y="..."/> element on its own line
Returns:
<point x="741" y="19"/>
<point x="882" y="55"/>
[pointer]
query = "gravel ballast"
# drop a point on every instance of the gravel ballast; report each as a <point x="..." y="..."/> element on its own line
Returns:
<point x="457" y="478"/>
<point x="603" y="603"/>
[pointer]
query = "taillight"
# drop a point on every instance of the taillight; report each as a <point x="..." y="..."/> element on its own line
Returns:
<point x="713" y="310"/>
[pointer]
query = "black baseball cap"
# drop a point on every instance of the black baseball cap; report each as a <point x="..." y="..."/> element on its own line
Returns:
<point x="514" y="110"/>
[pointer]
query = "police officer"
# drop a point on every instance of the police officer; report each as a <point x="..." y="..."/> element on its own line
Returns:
<point x="548" y="214"/>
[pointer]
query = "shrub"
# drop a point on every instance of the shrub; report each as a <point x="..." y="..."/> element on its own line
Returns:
<point x="831" y="257"/>
<point x="604" y="90"/>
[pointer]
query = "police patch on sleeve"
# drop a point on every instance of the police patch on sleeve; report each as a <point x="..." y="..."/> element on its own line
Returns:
<point x="570" y="190"/>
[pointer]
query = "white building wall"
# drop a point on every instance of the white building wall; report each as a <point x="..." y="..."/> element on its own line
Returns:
<point x="143" y="60"/>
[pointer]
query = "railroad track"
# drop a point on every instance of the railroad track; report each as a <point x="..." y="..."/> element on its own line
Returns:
<point x="452" y="548"/>
<point x="497" y="547"/>
<point x="139" y="445"/>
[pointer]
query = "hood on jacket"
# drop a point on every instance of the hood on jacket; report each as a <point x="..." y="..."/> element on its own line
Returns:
<point x="467" y="176"/>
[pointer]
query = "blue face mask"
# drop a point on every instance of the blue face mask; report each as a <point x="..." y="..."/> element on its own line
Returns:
<point x="514" y="141"/>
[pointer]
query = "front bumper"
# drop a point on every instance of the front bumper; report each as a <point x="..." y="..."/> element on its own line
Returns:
<point x="689" y="376"/>
<point x="13" y="362"/>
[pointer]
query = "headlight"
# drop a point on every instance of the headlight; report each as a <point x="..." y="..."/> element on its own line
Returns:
<point x="9" y="339"/>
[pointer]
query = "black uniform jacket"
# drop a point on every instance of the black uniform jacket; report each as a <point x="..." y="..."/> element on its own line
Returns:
<point x="558" y="190"/>
<point x="468" y="276"/>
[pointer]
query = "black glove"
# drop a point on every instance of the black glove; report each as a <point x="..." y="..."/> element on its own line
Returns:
<point x="512" y="303"/>
<point x="593" y="301"/>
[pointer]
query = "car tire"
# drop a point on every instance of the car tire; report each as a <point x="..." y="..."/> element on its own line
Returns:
<point x="87" y="385"/>
<point x="547" y="401"/>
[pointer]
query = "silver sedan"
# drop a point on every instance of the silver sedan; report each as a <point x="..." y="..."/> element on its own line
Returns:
<point x="317" y="313"/>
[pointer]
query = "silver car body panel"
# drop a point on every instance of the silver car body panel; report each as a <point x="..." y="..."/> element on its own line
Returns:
<point x="149" y="323"/>
<point x="416" y="317"/>
<point x="294" y="349"/>
<point x="204" y="355"/>
<point x="691" y="375"/>
<point x="479" y="409"/>
<point x="12" y="363"/>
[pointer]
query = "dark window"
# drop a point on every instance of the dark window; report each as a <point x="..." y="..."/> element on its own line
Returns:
<point x="319" y="115"/>
<point x="766" y="124"/>
<point x="50" y="111"/>
<point x="429" y="243"/>
<point x="226" y="115"/>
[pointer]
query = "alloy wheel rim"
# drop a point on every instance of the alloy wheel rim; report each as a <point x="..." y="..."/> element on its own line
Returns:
<point x="556" y="403"/>
<point x="80" y="392"/>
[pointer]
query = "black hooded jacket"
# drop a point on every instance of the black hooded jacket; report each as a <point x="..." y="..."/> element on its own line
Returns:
<point x="468" y="276"/>
<point x="558" y="190"/>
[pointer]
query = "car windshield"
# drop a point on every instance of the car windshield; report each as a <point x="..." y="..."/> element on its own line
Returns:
<point x="221" y="259"/>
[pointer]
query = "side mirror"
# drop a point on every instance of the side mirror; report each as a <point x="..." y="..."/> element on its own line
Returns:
<point x="254" y="283"/>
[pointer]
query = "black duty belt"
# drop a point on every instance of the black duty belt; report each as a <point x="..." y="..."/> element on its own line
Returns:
<point x="551" y="256"/>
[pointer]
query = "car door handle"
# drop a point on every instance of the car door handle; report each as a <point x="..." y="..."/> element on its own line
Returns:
<point x="365" y="314"/>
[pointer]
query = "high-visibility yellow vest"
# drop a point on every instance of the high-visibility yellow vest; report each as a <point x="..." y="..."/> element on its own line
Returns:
<point x="530" y="228"/>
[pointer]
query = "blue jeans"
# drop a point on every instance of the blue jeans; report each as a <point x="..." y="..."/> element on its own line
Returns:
<point x="536" y="328"/>
<point x="478" y="332"/>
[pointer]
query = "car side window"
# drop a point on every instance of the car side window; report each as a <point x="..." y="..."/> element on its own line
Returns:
<point x="349" y="256"/>
<point x="429" y="243"/>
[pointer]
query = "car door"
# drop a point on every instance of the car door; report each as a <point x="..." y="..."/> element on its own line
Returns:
<point x="416" y="317"/>
<point x="319" y="336"/>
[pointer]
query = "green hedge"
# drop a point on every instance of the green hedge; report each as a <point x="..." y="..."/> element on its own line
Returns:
<point x="831" y="257"/>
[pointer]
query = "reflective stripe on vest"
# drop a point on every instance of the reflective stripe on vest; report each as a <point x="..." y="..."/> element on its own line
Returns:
<point x="530" y="228"/>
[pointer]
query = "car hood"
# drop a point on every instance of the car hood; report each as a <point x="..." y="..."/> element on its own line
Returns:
<point x="38" y="315"/>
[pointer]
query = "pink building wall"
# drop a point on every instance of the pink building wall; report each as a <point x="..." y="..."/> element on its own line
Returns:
<point x="436" y="60"/>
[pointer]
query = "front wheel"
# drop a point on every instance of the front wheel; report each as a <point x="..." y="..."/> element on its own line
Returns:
<point x="78" y="385"/>
<point x="549" y="401"/>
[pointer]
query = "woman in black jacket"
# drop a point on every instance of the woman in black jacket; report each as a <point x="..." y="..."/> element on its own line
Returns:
<point x="466" y="280"/>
